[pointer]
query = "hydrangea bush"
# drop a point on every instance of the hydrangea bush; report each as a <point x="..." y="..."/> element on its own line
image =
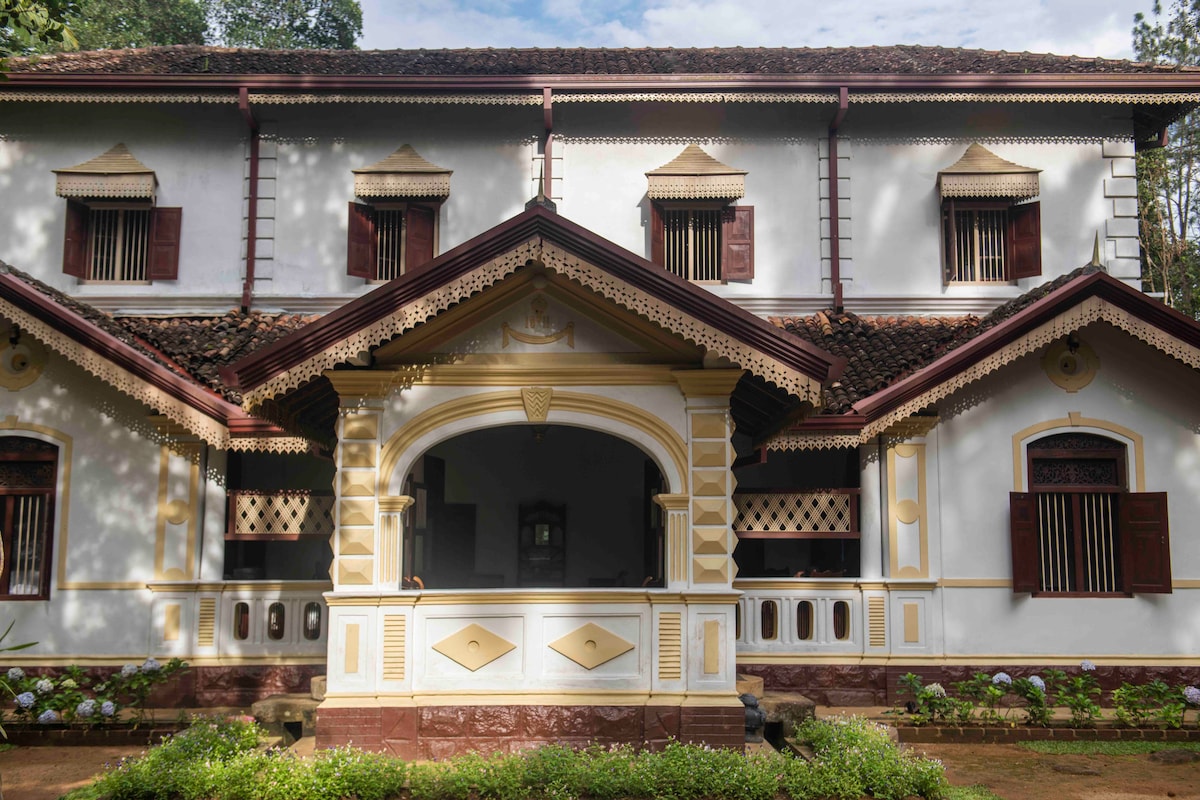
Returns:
<point x="992" y="699"/>
<point x="77" y="697"/>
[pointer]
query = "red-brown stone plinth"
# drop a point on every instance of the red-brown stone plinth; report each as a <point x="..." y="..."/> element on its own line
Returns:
<point x="436" y="732"/>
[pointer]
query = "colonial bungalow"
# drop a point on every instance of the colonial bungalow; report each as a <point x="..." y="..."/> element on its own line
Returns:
<point x="563" y="386"/>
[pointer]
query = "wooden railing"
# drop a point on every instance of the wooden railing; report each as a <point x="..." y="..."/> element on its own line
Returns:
<point x="279" y="515"/>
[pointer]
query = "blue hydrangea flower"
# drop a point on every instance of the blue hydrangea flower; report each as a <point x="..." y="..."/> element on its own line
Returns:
<point x="107" y="708"/>
<point x="151" y="665"/>
<point x="1192" y="695"/>
<point x="1087" y="666"/>
<point x="1002" y="678"/>
<point x="129" y="670"/>
<point x="15" y="674"/>
<point x="26" y="700"/>
<point x="44" y="686"/>
<point x="48" y="717"/>
<point x="85" y="709"/>
<point x="1038" y="683"/>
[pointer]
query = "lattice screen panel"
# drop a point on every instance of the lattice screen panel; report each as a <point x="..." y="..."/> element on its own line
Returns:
<point x="819" y="512"/>
<point x="288" y="514"/>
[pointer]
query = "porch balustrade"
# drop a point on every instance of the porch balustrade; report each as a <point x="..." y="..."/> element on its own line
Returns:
<point x="290" y="514"/>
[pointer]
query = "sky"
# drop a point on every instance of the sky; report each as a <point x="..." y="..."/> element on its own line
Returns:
<point x="1064" y="27"/>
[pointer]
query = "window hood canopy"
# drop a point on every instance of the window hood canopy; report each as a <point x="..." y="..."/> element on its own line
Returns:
<point x="695" y="175"/>
<point x="402" y="174"/>
<point x="114" y="174"/>
<point x="982" y="173"/>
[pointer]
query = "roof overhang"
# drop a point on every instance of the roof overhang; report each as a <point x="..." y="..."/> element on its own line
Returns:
<point x="535" y="239"/>
<point x="200" y="412"/>
<point x="1089" y="298"/>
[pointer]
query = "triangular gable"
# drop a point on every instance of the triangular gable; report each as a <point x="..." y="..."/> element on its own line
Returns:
<point x="537" y="237"/>
<point x="1091" y="297"/>
<point x="117" y="363"/>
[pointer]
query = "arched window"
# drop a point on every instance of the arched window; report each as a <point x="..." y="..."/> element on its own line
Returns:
<point x="1079" y="530"/>
<point x="28" y="475"/>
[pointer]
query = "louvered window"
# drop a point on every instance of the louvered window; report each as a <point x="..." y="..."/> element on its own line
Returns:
<point x="990" y="241"/>
<point x="117" y="243"/>
<point x="28" y="474"/>
<point x="1079" y="531"/>
<point x="704" y="243"/>
<point x="386" y="240"/>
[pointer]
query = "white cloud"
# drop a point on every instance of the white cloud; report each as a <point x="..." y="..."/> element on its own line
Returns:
<point x="1066" y="27"/>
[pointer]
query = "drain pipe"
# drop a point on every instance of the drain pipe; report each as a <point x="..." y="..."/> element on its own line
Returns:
<point x="835" y="266"/>
<point x="548" y="146"/>
<point x="251" y="200"/>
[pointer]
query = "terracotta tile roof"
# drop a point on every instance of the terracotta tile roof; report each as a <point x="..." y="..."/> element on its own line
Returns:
<point x="202" y="345"/>
<point x="881" y="350"/>
<point x="897" y="59"/>
<point x="878" y="350"/>
<point x="193" y="348"/>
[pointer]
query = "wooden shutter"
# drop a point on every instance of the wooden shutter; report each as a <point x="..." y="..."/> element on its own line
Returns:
<point x="949" y="242"/>
<point x="1023" y="533"/>
<point x="737" y="239"/>
<point x="1025" y="240"/>
<point x="658" y="233"/>
<point x="1145" y="542"/>
<point x="75" y="243"/>
<point x="418" y="245"/>
<point x="165" y="225"/>
<point x="360" y="252"/>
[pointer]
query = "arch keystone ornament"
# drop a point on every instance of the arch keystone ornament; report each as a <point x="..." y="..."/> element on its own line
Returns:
<point x="589" y="646"/>
<point x="473" y="647"/>
<point x="536" y="400"/>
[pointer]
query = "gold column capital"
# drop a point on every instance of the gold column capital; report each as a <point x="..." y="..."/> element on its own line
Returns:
<point x="707" y="382"/>
<point x="395" y="504"/>
<point x="362" y="382"/>
<point x="672" y="502"/>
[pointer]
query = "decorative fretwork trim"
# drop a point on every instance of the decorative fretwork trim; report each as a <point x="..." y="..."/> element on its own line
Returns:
<point x="1138" y="98"/>
<point x="139" y="187"/>
<point x="280" y="513"/>
<point x="435" y="99"/>
<point x="269" y="444"/>
<point x="997" y="185"/>
<point x="1093" y="309"/>
<point x="696" y="97"/>
<point x="491" y="273"/>
<point x="826" y="512"/>
<point x="121" y="97"/>
<point x="812" y="441"/>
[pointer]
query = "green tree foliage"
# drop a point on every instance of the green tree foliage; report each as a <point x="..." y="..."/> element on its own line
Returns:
<point x="1169" y="178"/>
<point x="287" y="24"/>
<point x="110" y="24"/>
<point x="29" y="25"/>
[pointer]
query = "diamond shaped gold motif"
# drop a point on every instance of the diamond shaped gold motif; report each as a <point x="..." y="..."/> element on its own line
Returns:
<point x="590" y="646"/>
<point x="473" y="647"/>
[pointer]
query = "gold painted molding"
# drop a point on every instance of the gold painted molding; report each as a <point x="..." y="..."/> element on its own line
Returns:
<point x="590" y="645"/>
<point x="1070" y="371"/>
<point x="593" y="697"/>
<point x="672" y="502"/>
<point x="707" y="382"/>
<point x="542" y="374"/>
<point x="1075" y="419"/>
<point x="910" y="510"/>
<point x="568" y="333"/>
<point x="519" y="597"/>
<point x="478" y="405"/>
<point x="364" y="382"/>
<point x="537" y="400"/>
<point x="474" y="646"/>
<point x="816" y="585"/>
<point x="976" y="583"/>
<point x="20" y="364"/>
<point x="395" y="504"/>
<point x="237" y="586"/>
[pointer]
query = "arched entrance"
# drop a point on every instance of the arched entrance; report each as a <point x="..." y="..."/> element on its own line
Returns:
<point x="533" y="505"/>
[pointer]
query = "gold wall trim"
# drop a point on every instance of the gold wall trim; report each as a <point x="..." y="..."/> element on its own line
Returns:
<point x="817" y="585"/>
<point x="206" y="623"/>
<point x="712" y="647"/>
<point x="1075" y="419"/>
<point x="976" y="583"/>
<point x="499" y="374"/>
<point x="908" y="510"/>
<point x="478" y="405"/>
<point x="591" y="645"/>
<point x="350" y="658"/>
<point x="508" y="332"/>
<point x="395" y="635"/>
<point x="537" y="400"/>
<point x="530" y="597"/>
<point x="474" y="646"/>
<point x="877" y="622"/>
<point x="487" y="698"/>
<point x="172" y="621"/>
<point x="708" y="382"/>
<point x="670" y="646"/>
<point x="1185" y="583"/>
<point x="237" y="586"/>
<point x="912" y="623"/>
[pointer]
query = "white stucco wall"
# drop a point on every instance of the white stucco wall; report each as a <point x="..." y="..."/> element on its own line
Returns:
<point x="104" y="526"/>
<point x="1136" y="387"/>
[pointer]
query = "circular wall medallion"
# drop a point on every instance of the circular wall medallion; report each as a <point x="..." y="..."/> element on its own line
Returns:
<point x="1071" y="368"/>
<point x="20" y="363"/>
